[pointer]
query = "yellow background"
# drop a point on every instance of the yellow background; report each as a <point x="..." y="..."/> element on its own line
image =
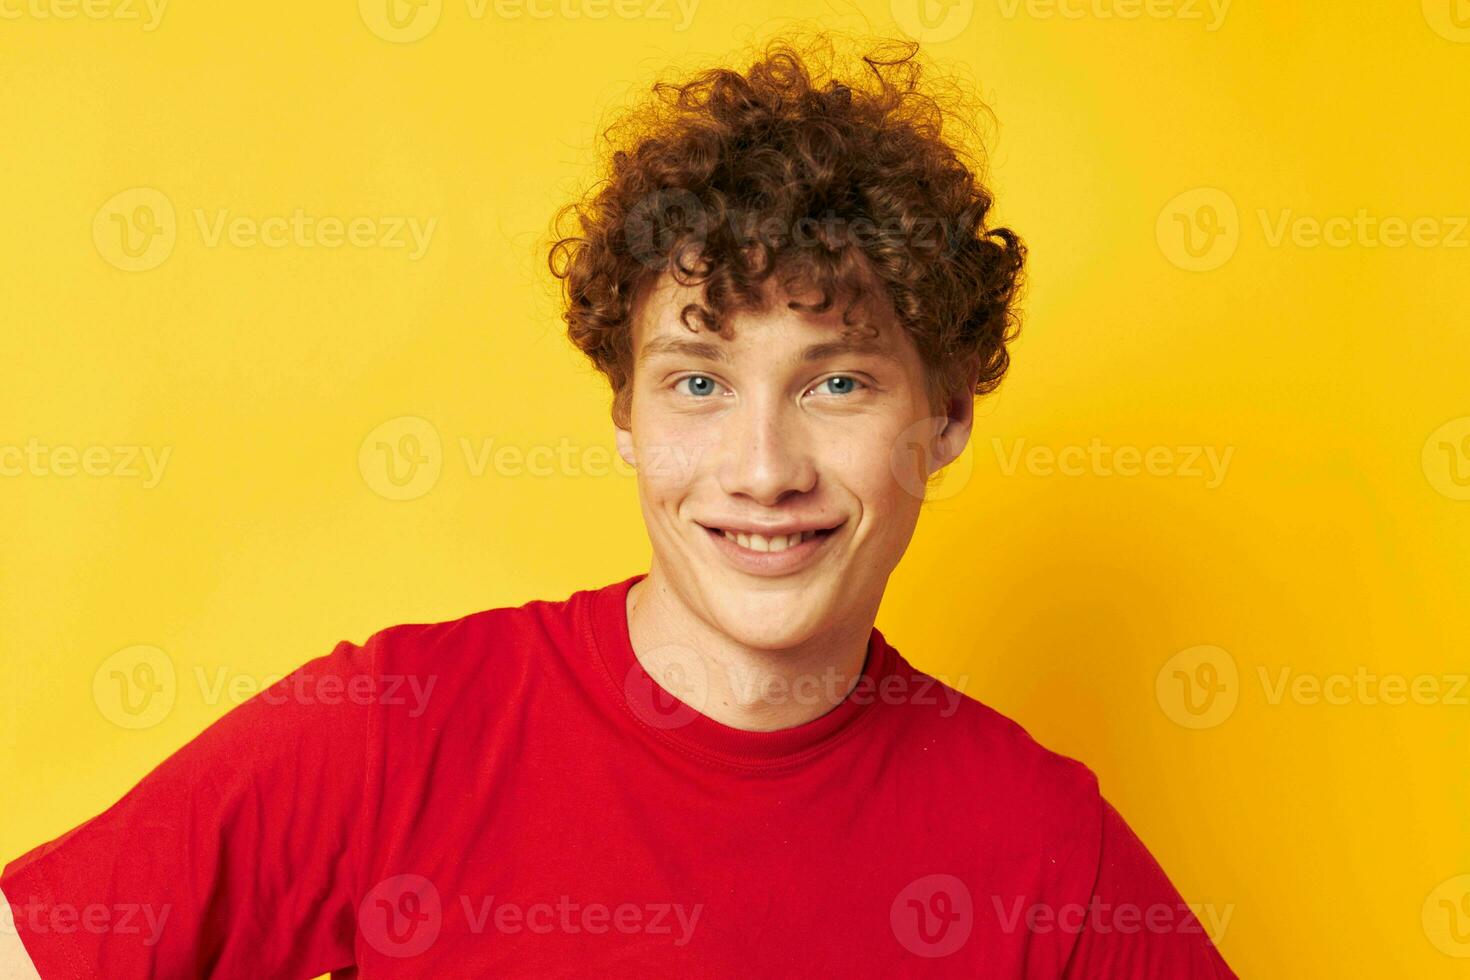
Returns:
<point x="1333" y="835"/>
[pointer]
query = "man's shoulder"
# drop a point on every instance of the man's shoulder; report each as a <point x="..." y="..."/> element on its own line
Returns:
<point x="487" y="637"/>
<point x="981" y="747"/>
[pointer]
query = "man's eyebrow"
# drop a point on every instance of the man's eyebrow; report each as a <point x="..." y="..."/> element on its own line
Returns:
<point x="836" y="348"/>
<point x="704" y="350"/>
<point x="699" y="349"/>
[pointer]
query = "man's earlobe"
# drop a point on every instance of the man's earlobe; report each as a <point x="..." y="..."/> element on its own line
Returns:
<point x="625" y="446"/>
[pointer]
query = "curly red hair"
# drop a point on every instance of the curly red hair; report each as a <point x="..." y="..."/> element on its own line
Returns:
<point x="840" y="185"/>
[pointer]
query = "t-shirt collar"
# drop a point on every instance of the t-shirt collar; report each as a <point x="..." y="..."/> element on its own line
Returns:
<point x="664" y="717"/>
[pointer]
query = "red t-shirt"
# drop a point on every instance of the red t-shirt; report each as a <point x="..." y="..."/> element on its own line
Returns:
<point x="510" y="794"/>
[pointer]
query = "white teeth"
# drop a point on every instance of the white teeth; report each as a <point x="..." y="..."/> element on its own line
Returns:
<point x="758" y="542"/>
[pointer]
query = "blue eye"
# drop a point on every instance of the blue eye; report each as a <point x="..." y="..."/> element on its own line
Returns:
<point x="840" y="384"/>
<point x="700" y="386"/>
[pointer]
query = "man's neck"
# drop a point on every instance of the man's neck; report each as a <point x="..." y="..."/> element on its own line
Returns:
<point x="744" y="688"/>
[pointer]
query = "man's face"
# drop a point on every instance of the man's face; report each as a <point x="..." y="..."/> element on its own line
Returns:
<point x="790" y="424"/>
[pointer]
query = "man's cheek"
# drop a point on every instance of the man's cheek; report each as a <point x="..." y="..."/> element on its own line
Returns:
<point x="891" y="510"/>
<point x="674" y="456"/>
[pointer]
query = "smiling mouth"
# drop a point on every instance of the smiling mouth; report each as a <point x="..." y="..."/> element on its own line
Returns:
<point x="769" y="543"/>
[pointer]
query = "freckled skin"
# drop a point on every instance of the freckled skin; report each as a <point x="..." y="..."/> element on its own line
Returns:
<point x="762" y="436"/>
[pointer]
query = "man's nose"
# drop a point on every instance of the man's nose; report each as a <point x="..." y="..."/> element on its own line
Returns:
<point x="766" y="453"/>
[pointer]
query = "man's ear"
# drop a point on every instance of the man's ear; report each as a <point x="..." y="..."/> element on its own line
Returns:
<point x="960" y="411"/>
<point x="625" y="446"/>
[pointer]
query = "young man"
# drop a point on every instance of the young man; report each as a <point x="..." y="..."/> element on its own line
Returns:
<point x="718" y="768"/>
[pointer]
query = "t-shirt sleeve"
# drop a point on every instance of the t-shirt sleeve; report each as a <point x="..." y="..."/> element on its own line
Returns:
<point x="235" y="857"/>
<point x="1136" y="924"/>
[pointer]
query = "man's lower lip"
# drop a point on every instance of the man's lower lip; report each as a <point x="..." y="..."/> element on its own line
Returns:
<point x="771" y="562"/>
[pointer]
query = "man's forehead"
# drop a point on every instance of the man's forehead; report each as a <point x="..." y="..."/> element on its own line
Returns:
<point x="661" y="328"/>
<point x="712" y="347"/>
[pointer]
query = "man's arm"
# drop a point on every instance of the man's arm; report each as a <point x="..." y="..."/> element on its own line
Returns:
<point x="15" y="962"/>
<point x="235" y="857"/>
<point x="1136" y="924"/>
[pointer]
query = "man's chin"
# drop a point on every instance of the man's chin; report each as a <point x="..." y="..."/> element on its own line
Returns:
<point x="768" y="618"/>
<point x="769" y="641"/>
